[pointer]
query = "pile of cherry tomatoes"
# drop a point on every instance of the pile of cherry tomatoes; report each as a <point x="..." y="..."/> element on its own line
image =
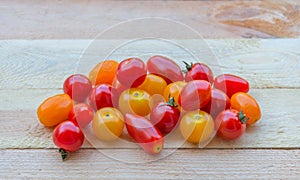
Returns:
<point x="147" y="102"/>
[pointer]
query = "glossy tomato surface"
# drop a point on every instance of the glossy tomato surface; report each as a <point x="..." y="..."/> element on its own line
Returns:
<point x="104" y="72"/>
<point x="153" y="84"/>
<point x="198" y="71"/>
<point x="81" y="114"/>
<point x="78" y="87"/>
<point x="117" y="89"/>
<point x="231" y="84"/>
<point x="101" y="96"/>
<point x="165" y="68"/>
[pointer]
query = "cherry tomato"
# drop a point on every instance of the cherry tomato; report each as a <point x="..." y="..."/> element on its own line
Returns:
<point x="78" y="87"/>
<point x="104" y="72"/>
<point x="144" y="133"/>
<point x="68" y="137"/>
<point x="153" y="84"/>
<point x="231" y="84"/>
<point x="135" y="101"/>
<point x="108" y="124"/>
<point x="81" y="114"/>
<point x="131" y="72"/>
<point x="55" y="109"/>
<point x="198" y="71"/>
<point x="165" y="68"/>
<point x="197" y="127"/>
<point x="249" y="106"/>
<point x="219" y="102"/>
<point x="230" y="124"/>
<point x="165" y="116"/>
<point x="101" y="96"/>
<point x="117" y="89"/>
<point x="173" y="90"/>
<point x="195" y="95"/>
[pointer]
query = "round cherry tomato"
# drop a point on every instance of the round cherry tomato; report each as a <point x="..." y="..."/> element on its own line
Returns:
<point x="165" y="116"/>
<point x="153" y="84"/>
<point x="219" y="102"/>
<point x="131" y="72"/>
<point x="231" y="84"/>
<point x="68" y="137"/>
<point x="135" y="101"/>
<point x="246" y="103"/>
<point x="144" y="133"/>
<point x="165" y="68"/>
<point x="197" y="126"/>
<point x="108" y="124"/>
<point x="101" y="96"/>
<point x="78" y="87"/>
<point x="198" y="71"/>
<point x="195" y="95"/>
<point x="117" y="89"/>
<point x="104" y="72"/>
<point x="173" y="90"/>
<point x="81" y="114"/>
<point x="55" y="109"/>
<point x="230" y="124"/>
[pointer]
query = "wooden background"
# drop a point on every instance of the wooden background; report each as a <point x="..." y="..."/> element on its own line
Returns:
<point x="41" y="43"/>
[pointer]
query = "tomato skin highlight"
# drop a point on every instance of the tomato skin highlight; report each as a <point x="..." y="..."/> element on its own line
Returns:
<point x="55" y="110"/>
<point x="144" y="133"/>
<point x="198" y="71"/>
<point x="78" y="87"/>
<point x="131" y="72"/>
<point x="195" y="95"/>
<point x="101" y="96"/>
<point x="229" y="125"/>
<point x="248" y="105"/>
<point x="231" y="84"/>
<point x="81" y="114"/>
<point x="165" y="68"/>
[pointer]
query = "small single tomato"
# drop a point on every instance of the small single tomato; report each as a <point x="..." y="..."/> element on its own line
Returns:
<point x="197" y="127"/>
<point x="104" y="72"/>
<point x="81" y="114"/>
<point x="248" y="105"/>
<point x="108" y="124"/>
<point x="173" y="90"/>
<point x="78" y="87"/>
<point x="153" y="84"/>
<point x="55" y="110"/>
<point x="198" y="71"/>
<point x="101" y="96"/>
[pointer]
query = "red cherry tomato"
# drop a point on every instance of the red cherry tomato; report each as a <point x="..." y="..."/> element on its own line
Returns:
<point x="117" y="89"/>
<point x="165" y="68"/>
<point x="68" y="137"/>
<point x="198" y="71"/>
<point x="81" y="114"/>
<point x="131" y="72"/>
<point x="231" y="124"/>
<point x="144" y="133"/>
<point x="78" y="87"/>
<point x="101" y="96"/>
<point x="165" y="116"/>
<point x="218" y="103"/>
<point x="195" y="95"/>
<point x="231" y="84"/>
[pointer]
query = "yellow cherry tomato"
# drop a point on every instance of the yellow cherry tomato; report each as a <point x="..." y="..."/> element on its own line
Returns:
<point x="104" y="72"/>
<point x="108" y="124"/>
<point x="153" y="84"/>
<point x="55" y="109"/>
<point x="134" y="101"/>
<point x="173" y="90"/>
<point x="197" y="126"/>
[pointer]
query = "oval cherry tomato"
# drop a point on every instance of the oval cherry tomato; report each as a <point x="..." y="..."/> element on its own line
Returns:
<point x="231" y="84"/>
<point x="135" y="101"/>
<point x="104" y="72"/>
<point x="101" y="96"/>
<point x="165" y="116"/>
<point x="153" y="84"/>
<point x="198" y="71"/>
<point x="246" y="103"/>
<point x="131" y="72"/>
<point x="108" y="124"/>
<point x="68" y="137"/>
<point x="165" y="68"/>
<point x="78" y="87"/>
<point x="197" y="126"/>
<point x="230" y="124"/>
<point x="219" y="102"/>
<point x="81" y="114"/>
<point x="195" y="95"/>
<point x="55" y="109"/>
<point x="144" y="133"/>
<point x="173" y="90"/>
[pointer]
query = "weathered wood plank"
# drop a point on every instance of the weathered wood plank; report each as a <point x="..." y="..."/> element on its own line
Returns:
<point x="183" y="164"/>
<point x="279" y="127"/>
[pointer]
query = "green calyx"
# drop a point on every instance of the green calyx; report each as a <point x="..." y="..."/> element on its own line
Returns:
<point x="63" y="153"/>
<point x="242" y="117"/>
<point x="187" y="66"/>
<point x="171" y="102"/>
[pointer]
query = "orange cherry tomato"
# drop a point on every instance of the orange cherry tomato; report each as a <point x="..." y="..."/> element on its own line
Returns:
<point x="55" y="109"/>
<point x="173" y="90"/>
<point x="104" y="72"/>
<point x="153" y="84"/>
<point x="248" y="105"/>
